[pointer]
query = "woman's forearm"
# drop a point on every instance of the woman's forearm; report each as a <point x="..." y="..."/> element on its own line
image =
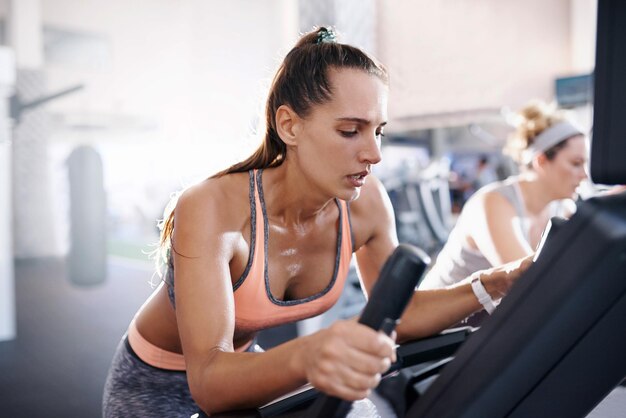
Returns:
<point x="431" y="311"/>
<point x="227" y="381"/>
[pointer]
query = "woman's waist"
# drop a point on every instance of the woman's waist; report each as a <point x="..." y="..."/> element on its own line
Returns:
<point x="152" y="354"/>
<point x="161" y="358"/>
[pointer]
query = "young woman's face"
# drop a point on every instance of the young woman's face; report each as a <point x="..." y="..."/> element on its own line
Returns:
<point x="568" y="168"/>
<point x="340" y="140"/>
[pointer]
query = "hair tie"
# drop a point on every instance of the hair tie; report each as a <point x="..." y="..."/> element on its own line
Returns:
<point x="326" y="36"/>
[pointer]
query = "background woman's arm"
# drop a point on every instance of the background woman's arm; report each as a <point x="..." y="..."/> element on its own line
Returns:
<point x="430" y="311"/>
<point x="494" y="226"/>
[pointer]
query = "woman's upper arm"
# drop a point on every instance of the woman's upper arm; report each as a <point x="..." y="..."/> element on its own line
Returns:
<point x="207" y="233"/>
<point x="494" y="225"/>
<point x="376" y="223"/>
<point x="204" y="296"/>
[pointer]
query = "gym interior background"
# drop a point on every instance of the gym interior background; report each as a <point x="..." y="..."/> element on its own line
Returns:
<point x="108" y="108"/>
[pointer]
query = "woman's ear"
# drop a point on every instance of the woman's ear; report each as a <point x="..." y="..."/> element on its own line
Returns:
<point x="287" y="124"/>
<point x="540" y="161"/>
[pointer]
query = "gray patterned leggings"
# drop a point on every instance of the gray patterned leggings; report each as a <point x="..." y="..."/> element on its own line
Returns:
<point x="136" y="389"/>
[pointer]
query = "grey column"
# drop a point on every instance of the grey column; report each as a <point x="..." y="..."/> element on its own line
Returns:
<point x="34" y="232"/>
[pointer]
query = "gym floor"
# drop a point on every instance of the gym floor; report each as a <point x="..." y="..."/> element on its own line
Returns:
<point x="67" y="334"/>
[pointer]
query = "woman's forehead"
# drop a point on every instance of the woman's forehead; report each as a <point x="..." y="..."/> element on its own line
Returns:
<point x="356" y="93"/>
<point x="576" y="147"/>
<point x="351" y="79"/>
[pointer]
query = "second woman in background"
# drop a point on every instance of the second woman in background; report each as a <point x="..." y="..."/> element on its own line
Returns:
<point x="503" y="221"/>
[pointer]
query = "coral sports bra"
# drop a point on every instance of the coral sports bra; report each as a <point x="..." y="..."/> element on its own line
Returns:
<point x="255" y="306"/>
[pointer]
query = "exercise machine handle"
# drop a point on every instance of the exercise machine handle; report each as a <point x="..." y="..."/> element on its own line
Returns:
<point x="400" y="275"/>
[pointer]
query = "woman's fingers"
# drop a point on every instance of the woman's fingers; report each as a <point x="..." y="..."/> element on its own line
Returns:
<point x="349" y="360"/>
<point x="500" y="279"/>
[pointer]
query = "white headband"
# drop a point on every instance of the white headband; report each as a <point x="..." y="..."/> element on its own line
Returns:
<point x="549" y="138"/>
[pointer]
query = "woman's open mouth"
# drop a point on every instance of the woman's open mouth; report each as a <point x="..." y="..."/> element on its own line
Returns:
<point x="357" y="180"/>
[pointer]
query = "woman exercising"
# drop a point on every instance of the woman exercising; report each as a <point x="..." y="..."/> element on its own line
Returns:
<point x="268" y="241"/>
<point x="503" y="221"/>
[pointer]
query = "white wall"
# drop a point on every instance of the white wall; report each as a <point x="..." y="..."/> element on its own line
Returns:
<point x="183" y="72"/>
<point x="455" y="56"/>
<point x="583" y="34"/>
<point x="188" y="71"/>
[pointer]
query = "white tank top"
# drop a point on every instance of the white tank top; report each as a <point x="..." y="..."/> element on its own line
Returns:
<point x="457" y="261"/>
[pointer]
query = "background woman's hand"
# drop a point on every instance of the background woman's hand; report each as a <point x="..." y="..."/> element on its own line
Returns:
<point x="498" y="280"/>
<point x="347" y="359"/>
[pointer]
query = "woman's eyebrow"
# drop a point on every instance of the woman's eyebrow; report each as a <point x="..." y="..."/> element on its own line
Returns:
<point x="359" y="121"/>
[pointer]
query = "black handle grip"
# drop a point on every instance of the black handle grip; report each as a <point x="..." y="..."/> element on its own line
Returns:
<point x="401" y="274"/>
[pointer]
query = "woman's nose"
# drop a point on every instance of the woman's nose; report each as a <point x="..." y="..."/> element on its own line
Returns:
<point x="371" y="153"/>
<point x="585" y="174"/>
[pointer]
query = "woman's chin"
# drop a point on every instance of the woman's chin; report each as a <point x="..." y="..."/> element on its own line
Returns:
<point x="351" y="196"/>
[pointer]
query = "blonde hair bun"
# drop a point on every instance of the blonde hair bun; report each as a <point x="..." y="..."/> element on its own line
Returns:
<point x="532" y="119"/>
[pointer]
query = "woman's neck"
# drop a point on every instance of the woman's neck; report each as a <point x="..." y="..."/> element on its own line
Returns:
<point x="536" y="194"/>
<point x="288" y="199"/>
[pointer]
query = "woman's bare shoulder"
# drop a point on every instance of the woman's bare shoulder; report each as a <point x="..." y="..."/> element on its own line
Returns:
<point x="221" y="199"/>
<point x="488" y="204"/>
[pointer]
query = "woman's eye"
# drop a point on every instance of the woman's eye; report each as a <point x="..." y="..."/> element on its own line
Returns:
<point x="348" y="134"/>
<point x="380" y="134"/>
